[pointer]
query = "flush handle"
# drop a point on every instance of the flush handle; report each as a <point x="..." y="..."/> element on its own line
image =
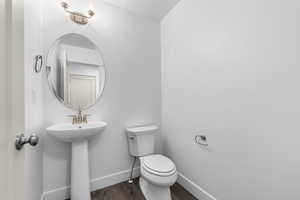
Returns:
<point x="21" y="140"/>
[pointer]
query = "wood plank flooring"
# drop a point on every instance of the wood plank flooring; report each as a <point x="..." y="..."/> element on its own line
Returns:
<point x="126" y="191"/>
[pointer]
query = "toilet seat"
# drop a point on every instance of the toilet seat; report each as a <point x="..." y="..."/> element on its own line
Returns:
<point x="158" y="170"/>
<point x="158" y="165"/>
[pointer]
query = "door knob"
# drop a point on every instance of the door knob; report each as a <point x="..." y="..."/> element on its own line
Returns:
<point x="21" y="140"/>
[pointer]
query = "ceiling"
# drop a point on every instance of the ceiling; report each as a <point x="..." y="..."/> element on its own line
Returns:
<point x="155" y="9"/>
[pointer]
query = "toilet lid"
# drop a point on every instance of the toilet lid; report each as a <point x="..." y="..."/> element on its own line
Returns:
<point x="159" y="163"/>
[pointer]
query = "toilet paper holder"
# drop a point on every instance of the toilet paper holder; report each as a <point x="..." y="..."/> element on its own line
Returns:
<point x="201" y="139"/>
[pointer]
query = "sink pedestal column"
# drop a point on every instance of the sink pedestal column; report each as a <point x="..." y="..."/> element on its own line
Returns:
<point x="80" y="180"/>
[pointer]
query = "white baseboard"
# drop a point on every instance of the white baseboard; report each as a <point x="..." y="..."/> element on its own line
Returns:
<point x="112" y="179"/>
<point x="96" y="184"/>
<point x="194" y="189"/>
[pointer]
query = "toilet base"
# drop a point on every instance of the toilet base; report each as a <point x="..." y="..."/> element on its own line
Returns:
<point x="153" y="192"/>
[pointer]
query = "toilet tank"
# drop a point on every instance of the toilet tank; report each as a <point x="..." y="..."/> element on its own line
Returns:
<point x="141" y="140"/>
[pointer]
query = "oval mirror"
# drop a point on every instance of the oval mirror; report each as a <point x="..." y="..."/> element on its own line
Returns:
<point x="75" y="71"/>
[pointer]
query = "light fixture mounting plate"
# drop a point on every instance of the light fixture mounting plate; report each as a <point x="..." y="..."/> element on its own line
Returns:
<point x="79" y="18"/>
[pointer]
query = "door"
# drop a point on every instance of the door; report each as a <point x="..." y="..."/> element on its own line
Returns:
<point x="13" y="174"/>
<point x="11" y="100"/>
<point x="3" y="128"/>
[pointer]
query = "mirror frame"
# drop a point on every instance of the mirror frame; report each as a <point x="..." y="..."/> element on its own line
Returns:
<point x="48" y="71"/>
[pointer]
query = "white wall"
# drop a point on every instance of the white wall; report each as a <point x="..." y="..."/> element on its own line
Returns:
<point x="230" y="70"/>
<point x="34" y="106"/>
<point x="130" y="45"/>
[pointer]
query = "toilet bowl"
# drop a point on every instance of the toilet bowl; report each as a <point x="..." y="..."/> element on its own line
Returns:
<point x="158" y="172"/>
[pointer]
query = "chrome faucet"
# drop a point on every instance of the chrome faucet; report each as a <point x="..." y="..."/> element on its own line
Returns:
<point x="79" y="118"/>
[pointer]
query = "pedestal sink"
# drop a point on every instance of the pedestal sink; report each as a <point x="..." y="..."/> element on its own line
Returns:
<point x="78" y="135"/>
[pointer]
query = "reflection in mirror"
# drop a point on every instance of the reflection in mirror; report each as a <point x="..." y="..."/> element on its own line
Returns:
<point x="76" y="72"/>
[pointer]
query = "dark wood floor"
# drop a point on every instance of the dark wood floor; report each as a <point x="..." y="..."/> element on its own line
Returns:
<point x="126" y="191"/>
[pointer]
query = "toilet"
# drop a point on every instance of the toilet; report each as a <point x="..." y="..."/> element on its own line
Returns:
<point x="158" y="172"/>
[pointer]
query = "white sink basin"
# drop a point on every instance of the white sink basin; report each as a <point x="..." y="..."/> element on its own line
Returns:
<point x="72" y="132"/>
<point x="78" y="135"/>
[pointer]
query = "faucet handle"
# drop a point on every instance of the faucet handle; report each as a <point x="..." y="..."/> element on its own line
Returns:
<point x="74" y="118"/>
<point x="84" y="118"/>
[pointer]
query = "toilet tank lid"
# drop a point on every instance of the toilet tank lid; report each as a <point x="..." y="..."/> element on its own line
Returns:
<point x="142" y="129"/>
